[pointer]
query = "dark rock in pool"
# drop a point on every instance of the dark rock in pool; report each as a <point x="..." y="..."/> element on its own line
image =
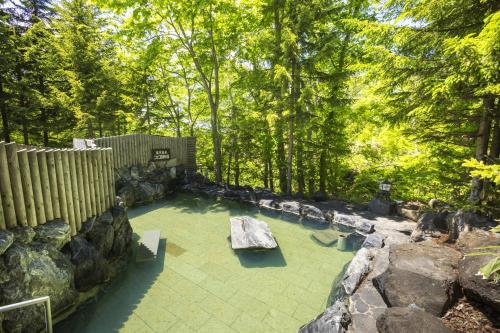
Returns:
<point x="249" y="233"/>
<point x="409" y="319"/>
<point x="423" y="274"/>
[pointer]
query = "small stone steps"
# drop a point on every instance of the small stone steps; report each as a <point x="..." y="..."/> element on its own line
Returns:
<point x="148" y="247"/>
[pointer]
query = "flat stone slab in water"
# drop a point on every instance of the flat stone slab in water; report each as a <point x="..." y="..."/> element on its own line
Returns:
<point x="249" y="233"/>
<point x="328" y="236"/>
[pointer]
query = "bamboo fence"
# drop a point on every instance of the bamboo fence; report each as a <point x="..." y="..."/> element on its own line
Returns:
<point x="42" y="184"/>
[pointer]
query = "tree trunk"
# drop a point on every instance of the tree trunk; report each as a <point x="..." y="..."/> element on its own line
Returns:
<point x="482" y="140"/>
<point x="5" y="115"/>
<point x="237" y="168"/>
<point x="271" y="177"/>
<point x="322" y="173"/>
<point x="290" y="157"/>
<point x="43" y="113"/>
<point x="311" y="162"/>
<point x="495" y="141"/>
<point x="280" y="143"/>
<point x="228" y="175"/>
<point x="299" y="132"/>
<point x="90" y="129"/>
<point x="266" y="173"/>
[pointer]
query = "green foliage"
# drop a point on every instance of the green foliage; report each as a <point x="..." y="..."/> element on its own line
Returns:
<point x="308" y="97"/>
<point x="491" y="270"/>
<point x="483" y="171"/>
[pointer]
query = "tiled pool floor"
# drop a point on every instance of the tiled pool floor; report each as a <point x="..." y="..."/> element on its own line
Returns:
<point x="198" y="284"/>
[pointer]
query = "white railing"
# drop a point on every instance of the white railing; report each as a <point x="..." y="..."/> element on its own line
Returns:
<point x="45" y="300"/>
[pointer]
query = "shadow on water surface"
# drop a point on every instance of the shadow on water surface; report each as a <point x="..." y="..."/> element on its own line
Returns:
<point x="119" y="299"/>
<point x="261" y="258"/>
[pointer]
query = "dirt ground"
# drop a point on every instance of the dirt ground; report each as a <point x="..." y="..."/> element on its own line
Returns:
<point x="469" y="317"/>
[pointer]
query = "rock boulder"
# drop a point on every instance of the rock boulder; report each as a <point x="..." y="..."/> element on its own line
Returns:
<point x="424" y="274"/>
<point x="356" y="271"/>
<point x="374" y="240"/>
<point x="6" y="240"/>
<point x="430" y="225"/>
<point x="101" y="237"/>
<point x="249" y="233"/>
<point x="353" y="221"/>
<point x="409" y="319"/>
<point x="90" y="268"/>
<point x="313" y="214"/>
<point x="335" y="319"/>
<point x="291" y="208"/>
<point x="382" y="207"/>
<point x="56" y="232"/>
<point x="461" y="221"/>
<point x="474" y="286"/>
<point x="33" y="271"/>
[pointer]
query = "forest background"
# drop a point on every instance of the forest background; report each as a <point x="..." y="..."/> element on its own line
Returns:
<point x="307" y="97"/>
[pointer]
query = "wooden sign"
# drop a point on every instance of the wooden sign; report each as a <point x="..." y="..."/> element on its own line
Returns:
<point x="161" y="154"/>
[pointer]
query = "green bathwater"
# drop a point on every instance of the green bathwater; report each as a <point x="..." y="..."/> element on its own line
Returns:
<point x="199" y="284"/>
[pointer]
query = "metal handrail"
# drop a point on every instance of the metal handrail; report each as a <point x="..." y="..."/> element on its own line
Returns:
<point x="45" y="299"/>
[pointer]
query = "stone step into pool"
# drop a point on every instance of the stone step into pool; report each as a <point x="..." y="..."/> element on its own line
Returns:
<point x="197" y="283"/>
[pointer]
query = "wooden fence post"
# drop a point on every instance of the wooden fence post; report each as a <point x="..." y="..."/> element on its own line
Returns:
<point x="37" y="187"/>
<point x="61" y="186"/>
<point x="9" y="211"/>
<point x="115" y="149"/>
<point x="74" y="187"/>
<point x="69" y="190"/>
<point x="97" y="180"/>
<point x="137" y="160"/>
<point x="105" y="183"/>
<point x="119" y="152"/>
<point x="45" y="181"/>
<point x="102" y="183"/>
<point x="139" y="148"/>
<point x="92" y="191"/>
<point x="127" y="151"/>
<point x="27" y="186"/>
<point x="86" y="184"/>
<point x="81" y="190"/>
<point x="16" y="182"/>
<point x="54" y="193"/>
<point x="112" y="191"/>
<point x="3" y="225"/>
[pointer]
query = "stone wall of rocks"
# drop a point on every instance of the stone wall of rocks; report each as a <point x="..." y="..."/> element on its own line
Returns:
<point x="408" y="287"/>
<point x="138" y="185"/>
<point x="47" y="261"/>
